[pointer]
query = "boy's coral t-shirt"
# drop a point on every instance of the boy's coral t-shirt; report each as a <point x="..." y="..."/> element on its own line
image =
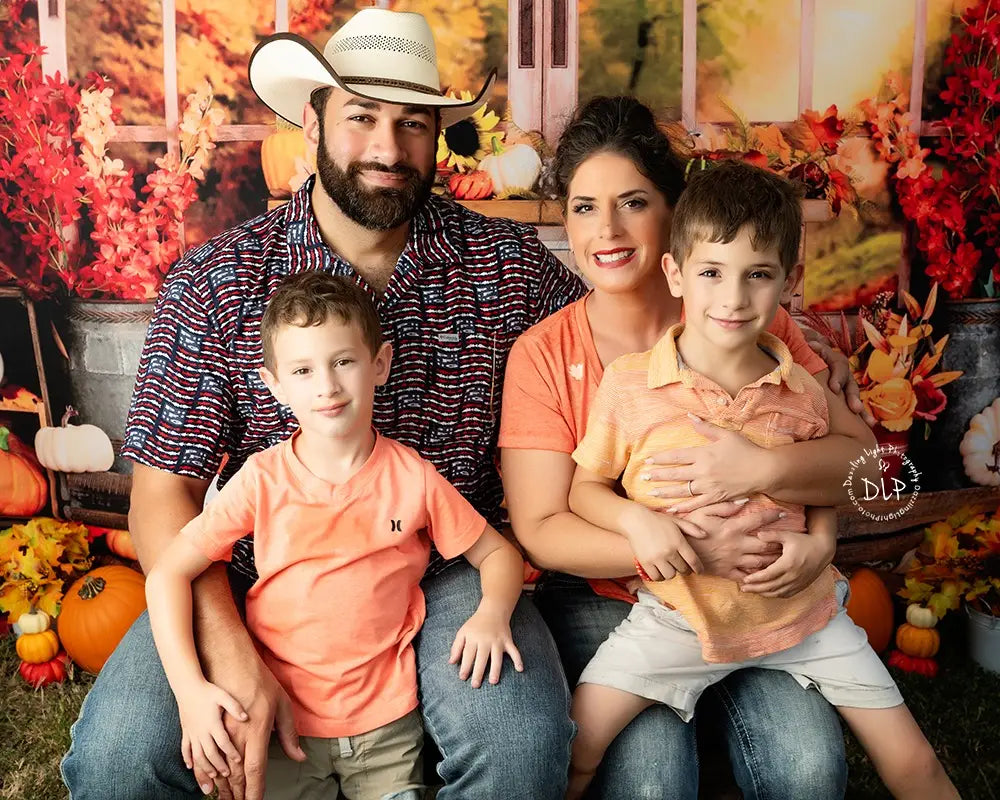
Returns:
<point x="338" y="601"/>
<point x="552" y="376"/>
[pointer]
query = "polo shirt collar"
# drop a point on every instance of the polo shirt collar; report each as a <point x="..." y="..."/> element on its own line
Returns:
<point x="666" y="365"/>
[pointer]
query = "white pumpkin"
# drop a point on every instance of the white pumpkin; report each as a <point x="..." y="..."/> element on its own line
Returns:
<point x="920" y="616"/>
<point x="980" y="447"/>
<point x="34" y="621"/>
<point x="74" y="448"/>
<point x="513" y="169"/>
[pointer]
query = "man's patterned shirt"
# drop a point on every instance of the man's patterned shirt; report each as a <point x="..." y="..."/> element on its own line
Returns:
<point x="463" y="290"/>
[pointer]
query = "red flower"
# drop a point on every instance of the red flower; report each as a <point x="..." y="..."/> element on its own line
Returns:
<point x="930" y="400"/>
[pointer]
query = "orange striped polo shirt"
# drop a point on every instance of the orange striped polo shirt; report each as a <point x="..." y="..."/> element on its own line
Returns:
<point x="641" y="409"/>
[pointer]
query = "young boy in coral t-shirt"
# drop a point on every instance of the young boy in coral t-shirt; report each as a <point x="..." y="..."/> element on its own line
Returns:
<point x="338" y="516"/>
<point x="734" y="244"/>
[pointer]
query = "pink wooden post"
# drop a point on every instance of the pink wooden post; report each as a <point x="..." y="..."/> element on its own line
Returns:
<point x="560" y="53"/>
<point x="689" y="64"/>
<point x="52" y="36"/>
<point x="807" y="54"/>
<point x="280" y="16"/>
<point x="525" y="65"/>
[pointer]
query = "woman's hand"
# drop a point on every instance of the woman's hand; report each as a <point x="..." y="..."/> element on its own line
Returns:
<point x="482" y="641"/>
<point x="803" y="558"/>
<point x="731" y="548"/>
<point x="660" y="545"/>
<point x="729" y="467"/>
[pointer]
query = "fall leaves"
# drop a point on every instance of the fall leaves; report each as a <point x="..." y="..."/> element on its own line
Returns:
<point x="36" y="559"/>
<point x="959" y="559"/>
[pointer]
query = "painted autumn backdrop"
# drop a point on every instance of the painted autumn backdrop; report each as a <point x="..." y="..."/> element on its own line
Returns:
<point x="748" y="52"/>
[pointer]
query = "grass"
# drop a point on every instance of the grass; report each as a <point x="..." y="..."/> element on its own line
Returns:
<point x="959" y="712"/>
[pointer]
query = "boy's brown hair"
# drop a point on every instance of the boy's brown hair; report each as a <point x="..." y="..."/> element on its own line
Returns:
<point x="719" y="202"/>
<point x="311" y="298"/>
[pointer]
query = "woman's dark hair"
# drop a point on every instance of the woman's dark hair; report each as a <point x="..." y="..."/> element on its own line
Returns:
<point x="619" y="125"/>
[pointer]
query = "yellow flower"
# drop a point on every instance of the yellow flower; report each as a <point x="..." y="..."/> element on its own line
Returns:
<point x="891" y="403"/>
<point x="463" y="145"/>
<point x="883" y="366"/>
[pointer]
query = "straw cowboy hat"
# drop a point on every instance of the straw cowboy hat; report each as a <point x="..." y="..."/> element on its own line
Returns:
<point x="387" y="56"/>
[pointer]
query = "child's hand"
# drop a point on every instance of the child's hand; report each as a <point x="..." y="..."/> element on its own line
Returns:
<point x="659" y="544"/>
<point x="483" y="639"/>
<point x="205" y="743"/>
<point x="803" y="558"/>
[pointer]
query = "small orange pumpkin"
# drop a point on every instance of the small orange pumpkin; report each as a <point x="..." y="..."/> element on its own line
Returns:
<point x="120" y="543"/>
<point x="97" y="611"/>
<point x="470" y="185"/>
<point x="277" y="158"/>
<point x="870" y="606"/>
<point x="23" y="488"/>
<point x="37" y="648"/>
<point x="917" y="642"/>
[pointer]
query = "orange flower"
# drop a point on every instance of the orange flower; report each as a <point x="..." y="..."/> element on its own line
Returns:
<point x="891" y="403"/>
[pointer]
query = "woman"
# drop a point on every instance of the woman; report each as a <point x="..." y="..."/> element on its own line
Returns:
<point x="618" y="180"/>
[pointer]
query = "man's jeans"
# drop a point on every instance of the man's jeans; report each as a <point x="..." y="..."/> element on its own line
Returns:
<point x="785" y="743"/>
<point x="510" y="741"/>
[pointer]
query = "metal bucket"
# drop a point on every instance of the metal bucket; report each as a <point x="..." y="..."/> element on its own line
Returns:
<point x="984" y="639"/>
<point x="105" y="342"/>
<point x="973" y="328"/>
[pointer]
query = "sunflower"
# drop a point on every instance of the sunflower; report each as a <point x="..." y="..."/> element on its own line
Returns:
<point x="463" y="145"/>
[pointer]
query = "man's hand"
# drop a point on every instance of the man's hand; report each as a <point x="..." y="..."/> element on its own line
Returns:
<point x="727" y="468"/>
<point x="841" y="377"/>
<point x="268" y="708"/>
<point x="803" y="558"/>
<point x="731" y="549"/>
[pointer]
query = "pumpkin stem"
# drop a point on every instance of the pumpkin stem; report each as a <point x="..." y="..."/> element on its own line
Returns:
<point x="495" y="145"/>
<point x="70" y="413"/>
<point x="4" y="436"/>
<point x="91" y="587"/>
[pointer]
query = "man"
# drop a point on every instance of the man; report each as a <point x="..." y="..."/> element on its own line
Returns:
<point x="453" y="290"/>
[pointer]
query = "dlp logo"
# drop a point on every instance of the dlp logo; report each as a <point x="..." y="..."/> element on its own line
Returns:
<point x="397" y="525"/>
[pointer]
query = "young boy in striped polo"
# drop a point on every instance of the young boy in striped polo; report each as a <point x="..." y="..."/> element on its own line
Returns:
<point x="733" y="258"/>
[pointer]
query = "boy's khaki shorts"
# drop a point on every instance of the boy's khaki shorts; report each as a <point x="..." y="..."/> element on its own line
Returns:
<point x="655" y="654"/>
<point x="383" y="764"/>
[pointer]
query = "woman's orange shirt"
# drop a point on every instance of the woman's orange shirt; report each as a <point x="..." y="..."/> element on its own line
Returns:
<point x="552" y="376"/>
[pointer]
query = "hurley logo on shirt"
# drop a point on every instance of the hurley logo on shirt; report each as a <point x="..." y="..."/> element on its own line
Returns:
<point x="396" y="525"/>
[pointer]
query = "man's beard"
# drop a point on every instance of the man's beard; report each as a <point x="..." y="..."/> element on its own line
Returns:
<point x="375" y="209"/>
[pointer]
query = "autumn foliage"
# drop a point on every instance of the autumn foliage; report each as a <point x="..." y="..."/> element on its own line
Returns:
<point x="36" y="560"/>
<point x="956" y="213"/>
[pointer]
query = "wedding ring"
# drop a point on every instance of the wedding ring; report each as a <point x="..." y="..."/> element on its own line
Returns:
<point x="690" y="491"/>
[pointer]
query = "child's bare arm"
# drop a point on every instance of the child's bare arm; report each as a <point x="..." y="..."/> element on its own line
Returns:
<point x="657" y="539"/>
<point x="486" y="636"/>
<point x="168" y="597"/>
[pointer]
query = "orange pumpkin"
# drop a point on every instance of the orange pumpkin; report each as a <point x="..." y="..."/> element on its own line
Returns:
<point x="277" y="158"/>
<point x="120" y="543"/>
<point x="870" y="607"/>
<point x="470" y="185"/>
<point x="918" y="642"/>
<point x="37" y="648"/>
<point x="97" y="611"/>
<point x="23" y="488"/>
